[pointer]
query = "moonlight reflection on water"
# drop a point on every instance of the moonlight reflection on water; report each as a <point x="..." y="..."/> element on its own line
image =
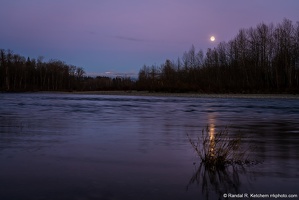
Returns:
<point x="66" y="146"/>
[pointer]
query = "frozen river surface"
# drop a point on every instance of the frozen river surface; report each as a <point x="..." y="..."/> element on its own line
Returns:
<point x="67" y="146"/>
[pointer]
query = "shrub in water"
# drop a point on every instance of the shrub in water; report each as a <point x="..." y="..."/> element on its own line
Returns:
<point x="218" y="149"/>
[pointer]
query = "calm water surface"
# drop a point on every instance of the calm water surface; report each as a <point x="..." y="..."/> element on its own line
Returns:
<point x="65" y="146"/>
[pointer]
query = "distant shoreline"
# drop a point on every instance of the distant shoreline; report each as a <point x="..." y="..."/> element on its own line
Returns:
<point x="191" y="95"/>
<point x="168" y="94"/>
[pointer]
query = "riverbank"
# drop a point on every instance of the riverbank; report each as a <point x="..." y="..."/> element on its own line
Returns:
<point x="167" y="94"/>
<point x="192" y="95"/>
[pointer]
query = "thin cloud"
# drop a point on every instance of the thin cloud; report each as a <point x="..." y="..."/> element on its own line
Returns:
<point x="130" y="38"/>
<point x="113" y="74"/>
<point x="92" y="32"/>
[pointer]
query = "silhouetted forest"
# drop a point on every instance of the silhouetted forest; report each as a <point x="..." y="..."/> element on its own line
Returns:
<point x="19" y="74"/>
<point x="263" y="59"/>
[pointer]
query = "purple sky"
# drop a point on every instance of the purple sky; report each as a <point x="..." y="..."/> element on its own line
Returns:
<point x="123" y="35"/>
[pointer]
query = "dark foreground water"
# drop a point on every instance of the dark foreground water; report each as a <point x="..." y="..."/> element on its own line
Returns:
<point x="78" y="147"/>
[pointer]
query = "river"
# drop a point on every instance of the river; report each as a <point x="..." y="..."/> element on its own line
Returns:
<point x="68" y="146"/>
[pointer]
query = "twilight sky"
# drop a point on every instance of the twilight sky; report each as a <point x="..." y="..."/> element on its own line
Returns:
<point x="123" y="35"/>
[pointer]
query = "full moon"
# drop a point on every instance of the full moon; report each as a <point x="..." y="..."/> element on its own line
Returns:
<point x="212" y="38"/>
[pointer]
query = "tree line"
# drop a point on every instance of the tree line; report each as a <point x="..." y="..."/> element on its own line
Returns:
<point x="261" y="59"/>
<point x="18" y="74"/>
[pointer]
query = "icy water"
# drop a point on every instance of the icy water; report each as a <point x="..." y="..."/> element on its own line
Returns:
<point x="79" y="147"/>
